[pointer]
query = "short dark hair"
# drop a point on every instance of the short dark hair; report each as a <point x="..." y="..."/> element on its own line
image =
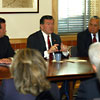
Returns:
<point x="95" y="17"/>
<point x="45" y="17"/>
<point x="2" y="20"/>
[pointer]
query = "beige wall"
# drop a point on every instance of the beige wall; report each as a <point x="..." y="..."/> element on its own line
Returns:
<point x="22" y="25"/>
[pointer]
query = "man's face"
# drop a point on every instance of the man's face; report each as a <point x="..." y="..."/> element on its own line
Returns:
<point x="48" y="26"/>
<point x="93" y="26"/>
<point x="2" y="30"/>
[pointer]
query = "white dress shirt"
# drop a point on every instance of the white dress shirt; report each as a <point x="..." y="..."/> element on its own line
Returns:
<point x="97" y="37"/>
<point x="46" y="55"/>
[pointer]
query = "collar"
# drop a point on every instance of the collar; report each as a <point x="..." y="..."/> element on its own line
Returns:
<point x="45" y="35"/>
<point x="95" y="34"/>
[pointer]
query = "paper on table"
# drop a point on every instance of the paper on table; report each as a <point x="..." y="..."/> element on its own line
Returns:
<point x="75" y="60"/>
<point x="70" y="60"/>
<point x="57" y="61"/>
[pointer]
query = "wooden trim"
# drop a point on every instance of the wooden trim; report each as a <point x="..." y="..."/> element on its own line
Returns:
<point x="69" y="38"/>
<point x="55" y="15"/>
<point x="20" y="43"/>
<point x="19" y="40"/>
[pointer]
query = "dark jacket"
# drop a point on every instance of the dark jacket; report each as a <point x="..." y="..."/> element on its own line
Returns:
<point x="36" y="41"/>
<point x="84" y="40"/>
<point x="9" y="92"/>
<point x="5" y="48"/>
<point x="89" y="89"/>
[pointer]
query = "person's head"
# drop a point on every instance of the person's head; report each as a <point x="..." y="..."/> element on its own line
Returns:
<point x="2" y="27"/>
<point x="94" y="56"/>
<point x="94" y="24"/>
<point x="29" y="72"/>
<point x="47" y="24"/>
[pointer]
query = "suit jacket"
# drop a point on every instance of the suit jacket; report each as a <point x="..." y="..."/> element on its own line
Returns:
<point x="84" y="40"/>
<point x="36" y="41"/>
<point x="89" y="89"/>
<point x="5" y="48"/>
<point x="9" y="92"/>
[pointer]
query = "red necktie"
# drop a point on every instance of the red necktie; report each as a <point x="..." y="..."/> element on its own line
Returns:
<point x="49" y="46"/>
<point x="94" y="38"/>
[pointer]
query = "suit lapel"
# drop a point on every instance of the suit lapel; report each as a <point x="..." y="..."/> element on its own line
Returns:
<point x="89" y="38"/>
<point x="42" y="41"/>
<point x="54" y="40"/>
<point x="99" y="35"/>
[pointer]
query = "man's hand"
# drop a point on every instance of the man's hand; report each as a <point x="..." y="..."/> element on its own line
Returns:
<point x="53" y="48"/>
<point x="63" y="48"/>
<point x="5" y="60"/>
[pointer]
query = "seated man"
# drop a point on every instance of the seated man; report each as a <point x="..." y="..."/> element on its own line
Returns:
<point x="87" y="37"/>
<point x="90" y="89"/>
<point x="45" y="40"/>
<point x="6" y="50"/>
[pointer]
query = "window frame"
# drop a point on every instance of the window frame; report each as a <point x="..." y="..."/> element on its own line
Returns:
<point x="55" y="15"/>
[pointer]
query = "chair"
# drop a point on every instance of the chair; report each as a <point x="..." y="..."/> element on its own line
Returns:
<point x="74" y="51"/>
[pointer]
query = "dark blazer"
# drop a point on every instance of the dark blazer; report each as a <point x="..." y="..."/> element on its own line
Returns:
<point x="5" y="48"/>
<point x="84" y="40"/>
<point x="9" y="92"/>
<point x="36" y="41"/>
<point x="89" y="89"/>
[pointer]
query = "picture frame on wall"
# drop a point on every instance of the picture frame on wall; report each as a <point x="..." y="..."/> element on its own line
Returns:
<point x="19" y="6"/>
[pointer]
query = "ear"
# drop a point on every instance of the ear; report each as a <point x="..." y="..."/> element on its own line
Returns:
<point x="41" y="26"/>
<point x="94" y="68"/>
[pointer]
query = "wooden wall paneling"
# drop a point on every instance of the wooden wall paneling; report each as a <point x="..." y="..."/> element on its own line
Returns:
<point x="18" y="43"/>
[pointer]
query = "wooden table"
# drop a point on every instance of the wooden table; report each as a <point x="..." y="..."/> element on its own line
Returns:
<point x="62" y="71"/>
<point x="70" y="71"/>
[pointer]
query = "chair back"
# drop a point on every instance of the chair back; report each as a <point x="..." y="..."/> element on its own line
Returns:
<point x="74" y="51"/>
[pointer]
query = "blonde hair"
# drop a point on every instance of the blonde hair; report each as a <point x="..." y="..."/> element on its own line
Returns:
<point x="29" y="71"/>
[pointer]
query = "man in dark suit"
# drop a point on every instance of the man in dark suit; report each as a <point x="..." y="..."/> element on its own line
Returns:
<point x="6" y="50"/>
<point x="85" y="38"/>
<point x="90" y="89"/>
<point x="39" y="40"/>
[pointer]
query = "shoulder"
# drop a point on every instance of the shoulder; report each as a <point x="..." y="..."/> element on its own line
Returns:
<point x="89" y="89"/>
<point x="7" y="81"/>
<point x="90" y="85"/>
<point x="52" y="94"/>
<point x="46" y="95"/>
<point x="7" y="84"/>
<point x="5" y="37"/>
<point x="34" y="35"/>
<point x="90" y="81"/>
<point x="55" y="36"/>
<point x="83" y="33"/>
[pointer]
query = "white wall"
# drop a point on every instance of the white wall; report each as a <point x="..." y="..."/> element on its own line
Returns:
<point x="22" y="25"/>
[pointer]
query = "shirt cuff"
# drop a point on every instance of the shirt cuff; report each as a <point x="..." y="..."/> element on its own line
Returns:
<point x="66" y="53"/>
<point x="46" y="55"/>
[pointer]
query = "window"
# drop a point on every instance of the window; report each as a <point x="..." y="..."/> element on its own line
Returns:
<point x="73" y="15"/>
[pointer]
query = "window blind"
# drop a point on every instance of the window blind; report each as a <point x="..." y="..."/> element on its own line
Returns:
<point x="73" y="15"/>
